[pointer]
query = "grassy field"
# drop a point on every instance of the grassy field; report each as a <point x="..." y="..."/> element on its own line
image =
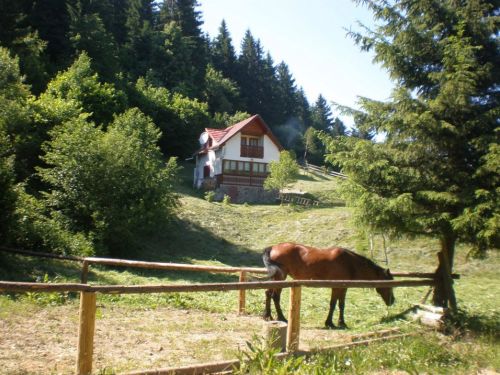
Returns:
<point x="177" y="329"/>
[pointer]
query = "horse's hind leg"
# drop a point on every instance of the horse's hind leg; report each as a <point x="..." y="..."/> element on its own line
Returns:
<point x="342" y="295"/>
<point x="277" y="305"/>
<point x="329" y="318"/>
<point x="267" y="311"/>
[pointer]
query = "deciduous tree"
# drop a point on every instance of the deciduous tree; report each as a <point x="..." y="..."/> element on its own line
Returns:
<point x="282" y="173"/>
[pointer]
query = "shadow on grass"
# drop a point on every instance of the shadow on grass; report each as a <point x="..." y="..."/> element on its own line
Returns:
<point x="476" y="324"/>
<point x="399" y="316"/>
<point x="188" y="243"/>
<point x="15" y="267"/>
<point x="462" y="321"/>
<point x="305" y="177"/>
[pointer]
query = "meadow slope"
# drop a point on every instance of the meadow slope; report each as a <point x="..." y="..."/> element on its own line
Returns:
<point x="38" y="332"/>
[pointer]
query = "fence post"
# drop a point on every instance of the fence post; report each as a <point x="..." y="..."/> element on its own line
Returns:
<point x="242" y="299"/>
<point x="293" y="332"/>
<point x="85" y="272"/>
<point x="275" y="333"/>
<point x="86" y="333"/>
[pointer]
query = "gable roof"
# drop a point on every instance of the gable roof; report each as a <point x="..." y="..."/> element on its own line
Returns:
<point x="221" y="136"/>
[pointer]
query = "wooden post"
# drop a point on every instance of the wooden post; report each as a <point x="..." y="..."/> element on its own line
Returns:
<point x="85" y="272"/>
<point x="242" y="299"/>
<point x="86" y="333"/>
<point x="275" y="335"/>
<point x="293" y="332"/>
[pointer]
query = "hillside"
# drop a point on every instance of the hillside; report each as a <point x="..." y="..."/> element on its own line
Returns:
<point x="232" y="235"/>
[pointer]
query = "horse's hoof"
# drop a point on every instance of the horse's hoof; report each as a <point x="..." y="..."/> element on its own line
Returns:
<point x="283" y="320"/>
<point x="330" y="326"/>
<point x="267" y="318"/>
<point x="342" y="326"/>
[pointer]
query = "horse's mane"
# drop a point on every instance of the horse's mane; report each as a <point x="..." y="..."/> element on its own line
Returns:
<point x="367" y="261"/>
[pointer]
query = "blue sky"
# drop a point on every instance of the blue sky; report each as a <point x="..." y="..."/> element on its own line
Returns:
<point x="310" y="37"/>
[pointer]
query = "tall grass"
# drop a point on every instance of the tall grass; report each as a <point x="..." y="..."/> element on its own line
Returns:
<point x="428" y="353"/>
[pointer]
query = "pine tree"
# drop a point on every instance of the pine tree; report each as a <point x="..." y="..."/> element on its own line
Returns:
<point x="338" y="128"/>
<point x="18" y="34"/>
<point x="436" y="174"/>
<point x="286" y="91"/>
<point x="88" y="33"/>
<point x="321" y="115"/>
<point x="184" y="14"/>
<point x="223" y="54"/>
<point x="303" y="108"/>
<point x="250" y="63"/>
<point x="51" y="19"/>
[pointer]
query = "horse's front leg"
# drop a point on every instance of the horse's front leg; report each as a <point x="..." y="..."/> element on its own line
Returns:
<point x="267" y="310"/>
<point x="329" y="318"/>
<point x="341" y="308"/>
<point x="276" y="298"/>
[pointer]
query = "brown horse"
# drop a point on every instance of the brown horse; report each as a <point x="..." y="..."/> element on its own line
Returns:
<point x="309" y="263"/>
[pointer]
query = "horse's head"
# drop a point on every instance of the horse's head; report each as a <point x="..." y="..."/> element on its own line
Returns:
<point x="386" y="293"/>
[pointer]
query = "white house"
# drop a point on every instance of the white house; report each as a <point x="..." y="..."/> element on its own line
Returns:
<point x="235" y="160"/>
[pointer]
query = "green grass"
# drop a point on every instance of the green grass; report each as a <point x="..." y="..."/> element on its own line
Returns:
<point x="428" y="353"/>
<point x="234" y="235"/>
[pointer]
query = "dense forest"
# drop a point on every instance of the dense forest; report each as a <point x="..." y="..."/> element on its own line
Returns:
<point x="96" y="95"/>
<point x="137" y="44"/>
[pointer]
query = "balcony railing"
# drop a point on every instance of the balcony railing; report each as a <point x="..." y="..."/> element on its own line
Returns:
<point x="241" y="180"/>
<point x="252" y="151"/>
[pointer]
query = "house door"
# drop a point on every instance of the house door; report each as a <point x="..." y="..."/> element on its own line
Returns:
<point x="206" y="171"/>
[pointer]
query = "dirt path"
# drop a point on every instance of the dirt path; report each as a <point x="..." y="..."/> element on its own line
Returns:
<point x="43" y="341"/>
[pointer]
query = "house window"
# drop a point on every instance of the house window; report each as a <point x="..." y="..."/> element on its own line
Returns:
<point x="246" y="168"/>
<point x="251" y="147"/>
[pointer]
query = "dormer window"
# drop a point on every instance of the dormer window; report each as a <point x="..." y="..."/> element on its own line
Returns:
<point x="252" y="147"/>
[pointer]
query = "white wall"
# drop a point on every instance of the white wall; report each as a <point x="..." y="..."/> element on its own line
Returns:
<point x="271" y="151"/>
<point x="233" y="150"/>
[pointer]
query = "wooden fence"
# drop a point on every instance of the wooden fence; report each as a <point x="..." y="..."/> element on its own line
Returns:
<point x="88" y="302"/>
<point x="295" y="199"/>
<point x="243" y="272"/>
<point x="323" y="170"/>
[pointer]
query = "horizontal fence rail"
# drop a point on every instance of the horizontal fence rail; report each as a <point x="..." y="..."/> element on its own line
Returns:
<point x="10" y="286"/>
<point x="172" y="266"/>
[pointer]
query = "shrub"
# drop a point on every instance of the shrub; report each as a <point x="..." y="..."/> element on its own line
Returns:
<point x="35" y="227"/>
<point x="210" y="196"/>
<point x="111" y="185"/>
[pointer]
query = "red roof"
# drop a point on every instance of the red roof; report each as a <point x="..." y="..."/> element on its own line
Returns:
<point x="216" y="134"/>
<point x="221" y="136"/>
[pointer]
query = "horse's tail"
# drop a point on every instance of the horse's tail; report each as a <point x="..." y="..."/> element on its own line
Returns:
<point x="273" y="267"/>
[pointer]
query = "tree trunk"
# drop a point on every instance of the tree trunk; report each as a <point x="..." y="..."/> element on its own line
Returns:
<point x="444" y="295"/>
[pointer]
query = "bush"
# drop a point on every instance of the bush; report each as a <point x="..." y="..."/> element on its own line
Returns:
<point x="36" y="228"/>
<point x="111" y="185"/>
<point x="226" y="200"/>
<point x="210" y="196"/>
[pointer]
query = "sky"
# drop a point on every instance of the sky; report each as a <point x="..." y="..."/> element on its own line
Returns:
<point x="310" y="37"/>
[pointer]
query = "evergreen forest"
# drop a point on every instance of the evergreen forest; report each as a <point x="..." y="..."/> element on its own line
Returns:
<point x="118" y="92"/>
